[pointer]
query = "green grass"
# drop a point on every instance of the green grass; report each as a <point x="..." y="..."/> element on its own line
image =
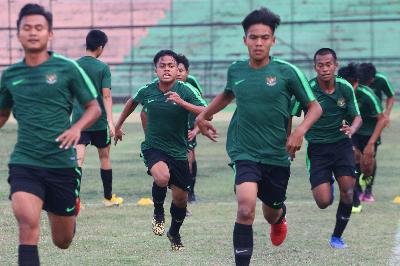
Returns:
<point x="123" y="236"/>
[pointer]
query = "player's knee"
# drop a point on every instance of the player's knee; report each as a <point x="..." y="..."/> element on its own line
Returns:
<point x="323" y="203"/>
<point x="62" y="242"/>
<point x="162" y="179"/>
<point x="246" y="213"/>
<point x="346" y="195"/>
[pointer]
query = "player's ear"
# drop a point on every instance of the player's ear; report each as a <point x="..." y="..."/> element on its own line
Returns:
<point x="50" y="35"/>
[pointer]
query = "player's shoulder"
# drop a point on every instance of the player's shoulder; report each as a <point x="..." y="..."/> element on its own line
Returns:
<point x="238" y="64"/>
<point x="367" y="91"/>
<point x="344" y="84"/>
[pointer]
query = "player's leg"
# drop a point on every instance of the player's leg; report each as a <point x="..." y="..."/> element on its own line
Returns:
<point x="27" y="209"/>
<point x="272" y="192"/>
<point x="368" y="167"/>
<point x="247" y="174"/>
<point x="27" y="193"/>
<point x="357" y="194"/>
<point x="178" y="214"/>
<point x="193" y="172"/>
<point x="62" y="229"/>
<point x="345" y="171"/>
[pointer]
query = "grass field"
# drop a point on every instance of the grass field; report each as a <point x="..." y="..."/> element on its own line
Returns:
<point x="123" y="236"/>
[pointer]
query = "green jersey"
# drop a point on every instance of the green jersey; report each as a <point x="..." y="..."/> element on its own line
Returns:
<point x="258" y="129"/>
<point x="381" y="85"/>
<point x="336" y="107"/>
<point x="41" y="99"/>
<point x="167" y="122"/>
<point x="100" y="75"/>
<point x="193" y="81"/>
<point x="370" y="108"/>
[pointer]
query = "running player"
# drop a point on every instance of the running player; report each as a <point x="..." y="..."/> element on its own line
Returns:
<point x="100" y="133"/>
<point x="330" y="151"/>
<point x="42" y="170"/>
<point x="367" y="139"/>
<point x="168" y="103"/>
<point x="257" y="134"/>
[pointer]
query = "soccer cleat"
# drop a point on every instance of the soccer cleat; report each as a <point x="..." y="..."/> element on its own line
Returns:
<point x="361" y="196"/>
<point x="278" y="232"/>
<point x="337" y="242"/>
<point x="176" y="242"/>
<point x="368" y="197"/>
<point x="357" y="209"/>
<point x="158" y="225"/>
<point x="114" y="201"/>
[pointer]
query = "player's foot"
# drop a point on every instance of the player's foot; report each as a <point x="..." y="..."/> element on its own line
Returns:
<point x="337" y="242"/>
<point x="361" y="196"/>
<point x="368" y="197"/>
<point x="278" y="232"/>
<point x="192" y="198"/>
<point x="158" y="225"/>
<point x="188" y="213"/>
<point x="114" y="201"/>
<point x="357" y="209"/>
<point x="176" y="242"/>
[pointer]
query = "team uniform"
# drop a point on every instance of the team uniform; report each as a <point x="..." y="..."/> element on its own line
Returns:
<point x="193" y="81"/>
<point x="99" y="133"/>
<point x="166" y="131"/>
<point x="330" y="150"/>
<point x="381" y="85"/>
<point x="256" y="144"/>
<point x="41" y="99"/>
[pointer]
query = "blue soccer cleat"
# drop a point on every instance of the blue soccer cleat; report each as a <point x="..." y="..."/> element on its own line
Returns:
<point x="337" y="242"/>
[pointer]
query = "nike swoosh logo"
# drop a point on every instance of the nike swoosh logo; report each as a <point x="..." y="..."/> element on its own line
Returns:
<point x="70" y="209"/>
<point x="238" y="251"/>
<point x="150" y="101"/>
<point x="17" y="82"/>
<point x="239" y="81"/>
<point x="276" y="203"/>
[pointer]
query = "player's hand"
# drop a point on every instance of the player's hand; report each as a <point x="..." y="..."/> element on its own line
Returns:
<point x="368" y="154"/>
<point x="173" y="97"/>
<point x="112" y="129"/>
<point x="69" y="138"/>
<point x="118" y="135"/>
<point x="294" y="142"/>
<point x="206" y="128"/>
<point x="347" y="129"/>
<point x="193" y="133"/>
<point x="386" y="119"/>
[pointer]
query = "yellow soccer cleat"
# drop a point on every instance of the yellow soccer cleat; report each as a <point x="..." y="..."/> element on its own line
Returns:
<point x="357" y="209"/>
<point x="114" y="201"/>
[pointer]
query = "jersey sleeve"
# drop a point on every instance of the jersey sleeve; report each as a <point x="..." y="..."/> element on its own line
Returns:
<point x="352" y="105"/>
<point x="193" y="81"/>
<point x="229" y="82"/>
<point x="139" y="95"/>
<point x="374" y="102"/>
<point x="387" y="87"/>
<point x="6" y="101"/>
<point x="193" y="96"/>
<point x="299" y="86"/>
<point x="295" y="108"/>
<point x="81" y="85"/>
<point x="106" y="81"/>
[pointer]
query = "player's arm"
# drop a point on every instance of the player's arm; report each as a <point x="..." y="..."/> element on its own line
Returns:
<point x="4" y="115"/>
<point x="389" y="106"/>
<point x="129" y="107"/>
<point x="349" y="130"/>
<point x="296" y="138"/>
<point x="216" y="105"/>
<point x="176" y="98"/>
<point x="107" y="99"/>
<point x="71" y="136"/>
<point x="369" y="150"/>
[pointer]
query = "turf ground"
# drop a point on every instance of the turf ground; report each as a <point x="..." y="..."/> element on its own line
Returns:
<point x="123" y="236"/>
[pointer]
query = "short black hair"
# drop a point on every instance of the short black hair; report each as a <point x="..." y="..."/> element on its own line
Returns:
<point x="183" y="60"/>
<point x="95" y="39"/>
<point x="35" y="9"/>
<point x="261" y="16"/>
<point x="163" y="53"/>
<point x="325" y="51"/>
<point x="366" y="73"/>
<point x="349" y="73"/>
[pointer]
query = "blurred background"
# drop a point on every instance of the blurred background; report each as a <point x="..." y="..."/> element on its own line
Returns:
<point x="209" y="33"/>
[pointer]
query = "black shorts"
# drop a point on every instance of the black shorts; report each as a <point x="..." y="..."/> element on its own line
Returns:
<point x="272" y="180"/>
<point x="98" y="138"/>
<point x="323" y="160"/>
<point x="192" y="144"/>
<point x="57" y="187"/>
<point x="361" y="141"/>
<point x="178" y="169"/>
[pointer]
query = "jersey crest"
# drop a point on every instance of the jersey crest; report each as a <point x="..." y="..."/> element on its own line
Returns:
<point x="271" y="81"/>
<point x="341" y="102"/>
<point x="51" y="78"/>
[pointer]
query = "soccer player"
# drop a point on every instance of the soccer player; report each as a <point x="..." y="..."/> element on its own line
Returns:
<point x="100" y="133"/>
<point x="330" y="149"/>
<point x="168" y="103"/>
<point x="380" y="84"/>
<point x="366" y="140"/>
<point x="42" y="170"/>
<point x="257" y="134"/>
